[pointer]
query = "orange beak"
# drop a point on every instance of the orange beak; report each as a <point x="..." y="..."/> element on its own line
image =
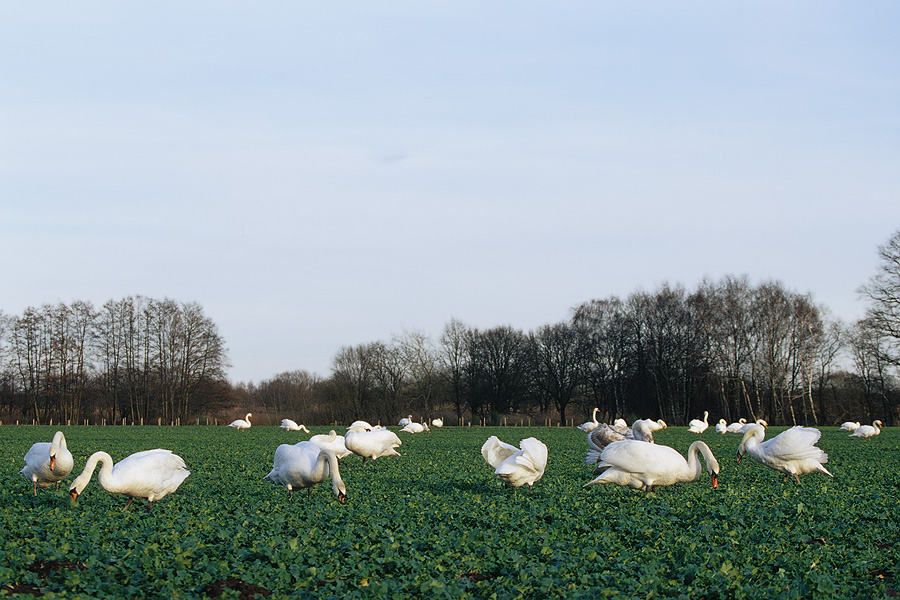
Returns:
<point x="740" y="456"/>
<point x="715" y="478"/>
<point x="52" y="462"/>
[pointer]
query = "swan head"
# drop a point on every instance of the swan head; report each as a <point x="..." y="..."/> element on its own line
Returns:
<point x="878" y="423"/>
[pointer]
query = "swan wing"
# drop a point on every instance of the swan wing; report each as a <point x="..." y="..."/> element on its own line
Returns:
<point x="534" y="454"/>
<point x="495" y="451"/>
<point x="796" y="443"/>
<point x="150" y="474"/>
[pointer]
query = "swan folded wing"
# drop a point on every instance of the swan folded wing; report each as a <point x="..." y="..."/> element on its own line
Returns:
<point x="534" y="454"/>
<point x="150" y="474"/>
<point x="495" y="451"/>
<point x="638" y="457"/>
<point x="798" y="443"/>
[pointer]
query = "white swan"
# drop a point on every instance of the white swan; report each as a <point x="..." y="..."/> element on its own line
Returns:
<point x="333" y="442"/>
<point x="289" y="425"/>
<point x="791" y="452"/>
<point x="360" y="424"/>
<point x="698" y="426"/>
<point x="413" y="427"/>
<point x="304" y="465"/>
<point x="241" y="423"/>
<point x="620" y="425"/>
<point x="591" y="425"/>
<point x="722" y="426"/>
<point x="867" y="431"/>
<point x="47" y="463"/>
<point x="644" y="466"/>
<point x="519" y="466"/>
<point x="737" y="426"/>
<point x="598" y="440"/>
<point x="151" y="474"/>
<point x="643" y="429"/>
<point x="405" y="421"/>
<point x="372" y="443"/>
<point x="850" y="425"/>
<point x="437" y="422"/>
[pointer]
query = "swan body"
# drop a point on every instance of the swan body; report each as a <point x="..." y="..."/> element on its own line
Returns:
<point x="413" y="427"/>
<point x="736" y="426"/>
<point x="289" y="425"/>
<point x="437" y="422"/>
<point x="591" y="425"/>
<point x="405" y="421"/>
<point x="151" y="474"/>
<point x="519" y="466"/>
<point x="722" y="426"/>
<point x="360" y="424"/>
<point x="304" y="465"/>
<point x="242" y="423"/>
<point x="698" y="426"/>
<point x="47" y="463"/>
<point x="620" y="425"/>
<point x="372" y="443"/>
<point x="643" y="429"/>
<point x="867" y="431"/>
<point x="850" y="425"/>
<point x="333" y="442"/>
<point x="643" y="466"/>
<point x="792" y="452"/>
<point x="598" y="440"/>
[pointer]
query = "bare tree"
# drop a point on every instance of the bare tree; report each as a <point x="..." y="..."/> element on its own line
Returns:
<point x="883" y="292"/>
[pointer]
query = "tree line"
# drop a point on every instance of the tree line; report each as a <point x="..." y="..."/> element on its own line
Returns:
<point x="729" y="347"/>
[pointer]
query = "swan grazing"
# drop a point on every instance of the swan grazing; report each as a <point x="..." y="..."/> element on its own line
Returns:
<point x="413" y="427"/>
<point x="47" y="463"/>
<point x="791" y="452"/>
<point x="722" y="426"/>
<point x="304" y="465"/>
<point x="850" y="425"/>
<point x="516" y="466"/>
<point x="241" y="423"/>
<point x="698" y="426"/>
<point x="867" y="431"/>
<point x="333" y="442"/>
<point x="289" y="425"/>
<point x="644" y="466"/>
<point x="371" y="443"/>
<point x="151" y="474"/>
<point x="437" y="422"/>
<point x="591" y="425"/>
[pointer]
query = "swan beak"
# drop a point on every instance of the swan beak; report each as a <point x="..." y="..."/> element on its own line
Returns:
<point x="342" y="497"/>
<point x="740" y="456"/>
<point x="715" y="479"/>
<point x="74" y="495"/>
<point x="52" y="462"/>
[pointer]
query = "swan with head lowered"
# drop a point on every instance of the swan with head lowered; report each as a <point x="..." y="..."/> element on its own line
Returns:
<point x="850" y="426"/>
<point x="591" y="425"/>
<point x="48" y="463"/>
<point x="241" y="423"/>
<point x="304" y="465"/>
<point x="371" y="443"/>
<point x="643" y="466"/>
<point x="643" y="429"/>
<point x="698" y="426"/>
<point x="289" y="425"/>
<point x="792" y="452"/>
<point x="516" y="466"/>
<point x="867" y="431"/>
<point x="151" y="474"/>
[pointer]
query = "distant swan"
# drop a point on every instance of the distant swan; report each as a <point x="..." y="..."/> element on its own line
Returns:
<point x="737" y="426"/>
<point x="850" y="425"/>
<point x="413" y="427"/>
<point x="404" y="421"/>
<point x="372" y="443"/>
<point x="437" y="422"/>
<point x="643" y="429"/>
<point x="241" y="423"/>
<point x="591" y="425"/>
<point x="47" y="463"/>
<point x="792" y="452"/>
<point x="333" y="442"/>
<point x="722" y="426"/>
<point x="698" y="426"/>
<point x="643" y="466"/>
<point x="867" y="431"/>
<point x="151" y="474"/>
<point x="519" y="466"/>
<point x="289" y="425"/>
<point x="304" y="465"/>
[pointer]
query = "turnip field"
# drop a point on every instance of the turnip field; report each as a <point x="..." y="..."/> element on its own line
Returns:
<point x="437" y="523"/>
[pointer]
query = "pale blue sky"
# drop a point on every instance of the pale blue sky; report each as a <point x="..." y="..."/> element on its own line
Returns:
<point x="319" y="175"/>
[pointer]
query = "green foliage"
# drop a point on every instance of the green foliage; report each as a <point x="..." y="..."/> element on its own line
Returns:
<point x="436" y="522"/>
